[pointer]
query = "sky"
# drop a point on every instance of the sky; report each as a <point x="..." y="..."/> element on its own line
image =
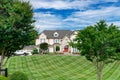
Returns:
<point x="73" y="14"/>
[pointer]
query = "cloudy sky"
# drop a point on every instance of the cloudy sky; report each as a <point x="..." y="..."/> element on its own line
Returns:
<point x="73" y="14"/>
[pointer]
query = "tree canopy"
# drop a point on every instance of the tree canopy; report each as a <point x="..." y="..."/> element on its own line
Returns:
<point x="16" y="29"/>
<point x="44" y="47"/>
<point x="98" y="43"/>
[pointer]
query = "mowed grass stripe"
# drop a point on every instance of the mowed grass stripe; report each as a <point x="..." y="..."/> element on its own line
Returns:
<point x="110" y="70"/>
<point x="116" y="69"/>
<point x="106" y="70"/>
<point x="77" y="69"/>
<point x="60" y="64"/>
<point x="55" y="67"/>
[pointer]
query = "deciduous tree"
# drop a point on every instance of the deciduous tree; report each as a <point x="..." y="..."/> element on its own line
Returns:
<point x="100" y="44"/>
<point x="16" y="29"/>
<point x="44" y="47"/>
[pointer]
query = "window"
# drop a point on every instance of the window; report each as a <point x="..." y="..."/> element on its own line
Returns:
<point x="74" y="40"/>
<point x="42" y="40"/>
<point x="75" y="50"/>
<point x="56" y="40"/>
<point x="56" y="34"/>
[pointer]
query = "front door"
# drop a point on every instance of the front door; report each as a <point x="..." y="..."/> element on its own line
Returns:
<point x="66" y="48"/>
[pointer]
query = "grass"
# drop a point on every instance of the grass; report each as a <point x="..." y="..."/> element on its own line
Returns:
<point x="55" y="67"/>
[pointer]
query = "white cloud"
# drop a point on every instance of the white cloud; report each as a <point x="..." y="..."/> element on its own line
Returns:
<point x="65" y="4"/>
<point x="60" y="4"/>
<point x="104" y="12"/>
<point x="115" y="23"/>
<point x="78" y="19"/>
<point x="89" y="17"/>
<point x="47" y="21"/>
<point x="111" y="0"/>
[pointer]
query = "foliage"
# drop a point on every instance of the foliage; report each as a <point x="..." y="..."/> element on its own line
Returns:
<point x="44" y="47"/>
<point x="118" y="49"/>
<point x="16" y="28"/>
<point x="33" y="35"/>
<point x="3" y="78"/>
<point x="35" y="51"/>
<point x="98" y="44"/>
<point x="18" y="76"/>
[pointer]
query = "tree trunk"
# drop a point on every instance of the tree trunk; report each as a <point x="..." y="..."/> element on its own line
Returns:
<point x="43" y="52"/>
<point x="0" y="65"/>
<point x="99" y="75"/>
<point x="99" y="68"/>
<point x="1" y="59"/>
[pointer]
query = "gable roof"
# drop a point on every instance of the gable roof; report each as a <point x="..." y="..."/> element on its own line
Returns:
<point x="62" y="33"/>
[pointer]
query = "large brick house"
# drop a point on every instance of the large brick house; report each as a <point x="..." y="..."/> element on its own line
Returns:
<point x="57" y="40"/>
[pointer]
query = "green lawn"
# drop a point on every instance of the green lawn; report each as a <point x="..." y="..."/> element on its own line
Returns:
<point x="54" y="67"/>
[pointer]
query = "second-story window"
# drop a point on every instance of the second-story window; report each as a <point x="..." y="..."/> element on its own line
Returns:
<point x="56" y="40"/>
<point x="42" y="40"/>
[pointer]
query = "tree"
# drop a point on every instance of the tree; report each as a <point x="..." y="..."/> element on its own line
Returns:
<point x="16" y="27"/>
<point x="100" y="44"/>
<point x="44" y="47"/>
<point x="35" y="51"/>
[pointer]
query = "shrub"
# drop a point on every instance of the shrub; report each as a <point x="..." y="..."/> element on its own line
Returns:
<point x="18" y="76"/>
<point x="3" y="78"/>
<point x="35" y="51"/>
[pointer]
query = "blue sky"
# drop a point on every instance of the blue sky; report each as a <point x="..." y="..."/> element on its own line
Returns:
<point x="73" y="14"/>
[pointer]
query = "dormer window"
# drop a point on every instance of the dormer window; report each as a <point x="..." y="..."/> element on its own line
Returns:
<point x="56" y="34"/>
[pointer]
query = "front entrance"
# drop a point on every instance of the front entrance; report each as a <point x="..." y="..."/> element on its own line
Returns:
<point x="66" y="48"/>
<point x="57" y="48"/>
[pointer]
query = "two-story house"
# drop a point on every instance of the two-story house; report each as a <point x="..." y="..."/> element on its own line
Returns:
<point x="58" y="40"/>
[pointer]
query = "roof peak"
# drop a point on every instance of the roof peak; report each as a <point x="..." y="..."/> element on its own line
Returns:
<point x="56" y="30"/>
<point x="62" y="33"/>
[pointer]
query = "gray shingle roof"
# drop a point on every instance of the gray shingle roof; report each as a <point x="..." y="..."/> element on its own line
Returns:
<point x="62" y="33"/>
<point x="31" y="47"/>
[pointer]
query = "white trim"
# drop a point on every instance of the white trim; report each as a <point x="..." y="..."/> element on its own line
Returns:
<point x="56" y="34"/>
